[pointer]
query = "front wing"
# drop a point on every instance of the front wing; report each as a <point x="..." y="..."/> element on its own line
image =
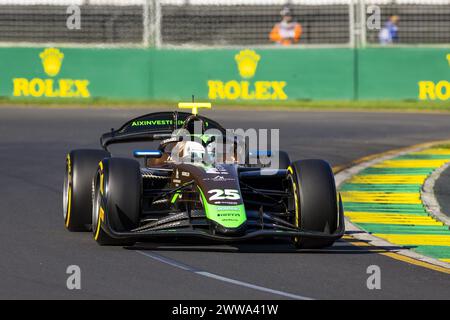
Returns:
<point x="145" y="235"/>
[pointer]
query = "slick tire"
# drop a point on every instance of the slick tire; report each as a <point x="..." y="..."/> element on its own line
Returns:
<point x="117" y="197"/>
<point x="81" y="166"/>
<point x="315" y="201"/>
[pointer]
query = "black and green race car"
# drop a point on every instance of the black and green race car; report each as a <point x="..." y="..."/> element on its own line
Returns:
<point x="172" y="192"/>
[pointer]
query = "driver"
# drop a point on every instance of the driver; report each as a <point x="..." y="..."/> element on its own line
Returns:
<point x="188" y="151"/>
<point x="194" y="151"/>
<point x="203" y="148"/>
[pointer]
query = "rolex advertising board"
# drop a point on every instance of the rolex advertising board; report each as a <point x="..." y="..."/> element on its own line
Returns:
<point x="231" y="75"/>
<point x="74" y="73"/>
<point x="254" y="75"/>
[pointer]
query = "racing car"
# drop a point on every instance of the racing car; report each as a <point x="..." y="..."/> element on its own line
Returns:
<point x="172" y="192"/>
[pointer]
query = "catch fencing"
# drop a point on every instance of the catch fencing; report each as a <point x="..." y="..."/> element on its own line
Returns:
<point x="219" y="23"/>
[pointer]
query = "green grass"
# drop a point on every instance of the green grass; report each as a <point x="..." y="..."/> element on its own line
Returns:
<point x="443" y="146"/>
<point x="379" y="105"/>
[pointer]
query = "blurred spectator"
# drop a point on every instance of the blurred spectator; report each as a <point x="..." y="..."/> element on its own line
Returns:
<point x="389" y="33"/>
<point x="287" y="31"/>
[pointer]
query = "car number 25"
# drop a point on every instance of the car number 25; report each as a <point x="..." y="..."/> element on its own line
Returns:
<point x="226" y="194"/>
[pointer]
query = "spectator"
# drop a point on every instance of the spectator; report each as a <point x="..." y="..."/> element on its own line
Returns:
<point x="287" y="31"/>
<point x="389" y="33"/>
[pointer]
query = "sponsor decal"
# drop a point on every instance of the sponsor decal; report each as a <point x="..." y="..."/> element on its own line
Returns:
<point x="226" y="194"/>
<point x="228" y="211"/>
<point x="237" y="217"/>
<point x="185" y="174"/>
<point x="228" y="215"/>
<point x="430" y="90"/>
<point x="52" y="60"/>
<point x="161" y="122"/>
<point x="245" y="89"/>
<point x="229" y="203"/>
<point x="228" y="208"/>
<point x="174" y="139"/>
<point x="176" y="179"/>
<point x="219" y="179"/>
<point x="217" y="170"/>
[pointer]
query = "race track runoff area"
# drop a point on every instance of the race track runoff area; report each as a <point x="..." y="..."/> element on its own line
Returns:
<point x="385" y="200"/>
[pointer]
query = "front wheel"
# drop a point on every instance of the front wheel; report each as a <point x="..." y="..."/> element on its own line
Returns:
<point x="315" y="201"/>
<point x="116" y="198"/>
<point x="81" y="166"/>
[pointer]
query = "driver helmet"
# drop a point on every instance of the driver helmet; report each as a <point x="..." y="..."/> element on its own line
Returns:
<point x="188" y="151"/>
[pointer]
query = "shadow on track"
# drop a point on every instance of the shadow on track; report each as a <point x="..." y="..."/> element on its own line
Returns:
<point x="274" y="246"/>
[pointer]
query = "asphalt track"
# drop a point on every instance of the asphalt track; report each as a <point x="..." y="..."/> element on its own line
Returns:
<point x="35" y="249"/>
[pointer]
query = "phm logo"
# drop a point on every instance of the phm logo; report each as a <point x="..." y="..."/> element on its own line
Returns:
<point x="51" y="59"/>
<point x="247" y="65"/>
<point x="430" y="90"/>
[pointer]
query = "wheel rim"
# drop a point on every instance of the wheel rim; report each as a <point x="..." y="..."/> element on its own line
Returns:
<point x="96" y="204"/>
<point x="294" y="199"/>
<point x="67" y="191"/>
<point x="296" y="220"/>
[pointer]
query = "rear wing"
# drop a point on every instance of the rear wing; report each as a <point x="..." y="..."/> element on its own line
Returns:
<point x="151" y="127"/>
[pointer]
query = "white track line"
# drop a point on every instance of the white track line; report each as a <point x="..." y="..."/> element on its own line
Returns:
<point x="210" y="275"/>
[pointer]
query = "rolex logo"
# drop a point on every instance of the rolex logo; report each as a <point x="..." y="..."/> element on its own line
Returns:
<point x="247" y="61"/>
<point x="244" y="88"/>
<point x="51" y="60"/>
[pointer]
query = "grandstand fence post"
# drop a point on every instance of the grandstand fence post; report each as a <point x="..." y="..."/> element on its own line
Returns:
<point x="146" y="34"/>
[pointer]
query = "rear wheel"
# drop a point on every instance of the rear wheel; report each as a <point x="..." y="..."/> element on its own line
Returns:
<point x="81" y="166"/>
<point x="315" y="197"/>
<point x="116" y="200"/>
